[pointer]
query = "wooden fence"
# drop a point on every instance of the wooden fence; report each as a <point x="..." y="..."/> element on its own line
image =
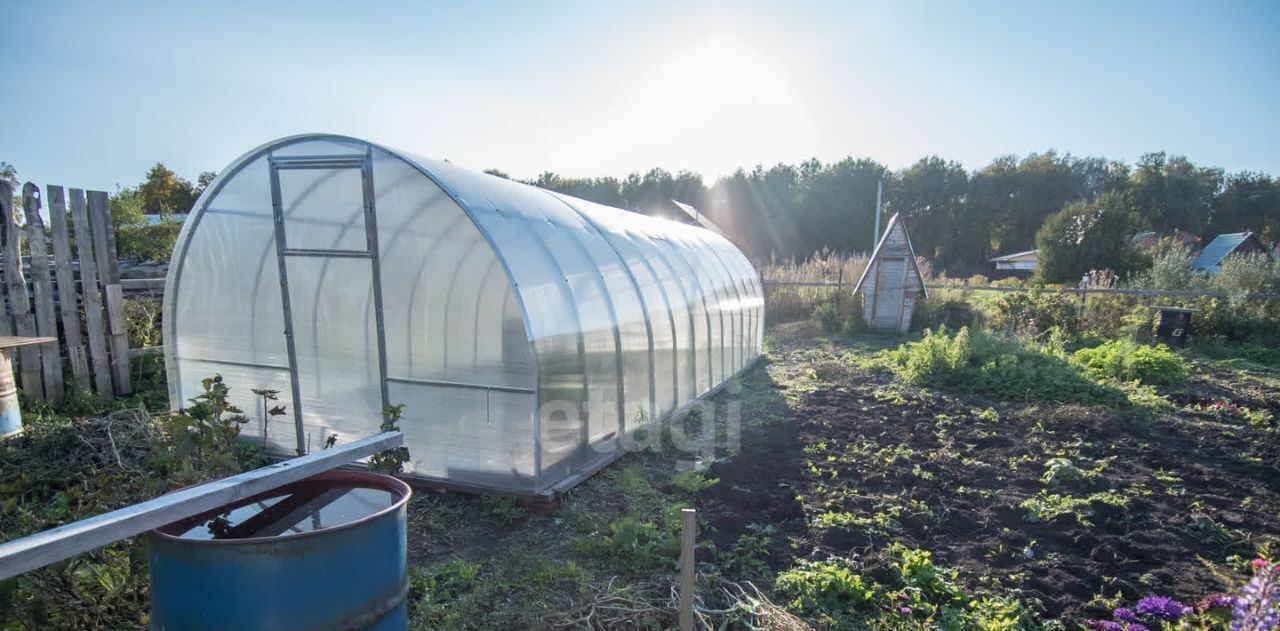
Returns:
<point x="75" y="295"/>
<point x="1089" y="291"/>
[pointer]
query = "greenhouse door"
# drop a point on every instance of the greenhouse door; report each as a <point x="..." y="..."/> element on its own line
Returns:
<point x="327" y="249"/>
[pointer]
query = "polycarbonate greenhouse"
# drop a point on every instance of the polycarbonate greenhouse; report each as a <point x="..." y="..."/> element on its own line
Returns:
<point x="524" y="331"/>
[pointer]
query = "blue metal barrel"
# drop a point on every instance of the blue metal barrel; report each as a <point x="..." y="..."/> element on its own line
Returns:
<point x="328" y="552"/>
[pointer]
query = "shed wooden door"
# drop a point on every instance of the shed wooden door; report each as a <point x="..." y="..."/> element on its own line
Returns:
<point x="891" y="276"/>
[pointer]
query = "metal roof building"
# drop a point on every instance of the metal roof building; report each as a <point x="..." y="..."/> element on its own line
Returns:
<point x="524" y="331"/>
<point x="1224" y="245"/>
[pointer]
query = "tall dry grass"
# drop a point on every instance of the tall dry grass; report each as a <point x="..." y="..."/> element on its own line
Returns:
<point x="786" y="304"/>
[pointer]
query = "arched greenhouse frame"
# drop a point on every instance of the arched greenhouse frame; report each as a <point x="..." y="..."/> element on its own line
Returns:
<point x="525" y="331"/>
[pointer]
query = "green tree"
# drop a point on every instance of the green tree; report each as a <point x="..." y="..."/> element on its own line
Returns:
<point x="1172" y="193"/>
<point x="1084" y="236"/>
<point x="126" y="208"/>
<point x="930" y="195"/>
<point x="164" y="193"/>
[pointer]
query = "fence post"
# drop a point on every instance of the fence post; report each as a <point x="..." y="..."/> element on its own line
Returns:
<point x="68" y="296"/>
<point x="92" y="300"/>
<point x="42" y="289"/>
<point x="24" y="322"/>
<point x="6" y="207"/>
<point x="688" y="532"/>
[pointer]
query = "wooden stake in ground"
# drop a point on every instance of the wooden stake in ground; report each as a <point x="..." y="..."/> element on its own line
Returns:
<point x="688" y="533"/>
<point x="42" y="289"/>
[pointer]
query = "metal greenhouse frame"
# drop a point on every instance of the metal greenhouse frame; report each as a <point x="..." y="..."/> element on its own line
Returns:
<point x="525" y="331"/>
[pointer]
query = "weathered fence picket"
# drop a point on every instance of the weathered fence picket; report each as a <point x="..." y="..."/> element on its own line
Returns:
<point x="24" y="321"/>
<point x="68" y="296"/>
<point x="104" y="248"/>
<point x="92" y="300"/>
<point x="42" y="291"/>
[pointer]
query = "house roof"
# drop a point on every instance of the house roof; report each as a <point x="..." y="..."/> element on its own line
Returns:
<point x="1014" y="256"/>
<point x="1221" y="247"/>
<point x="875" y="255"/>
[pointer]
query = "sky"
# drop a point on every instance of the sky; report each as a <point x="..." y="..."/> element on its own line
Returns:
<point x="100" y="91"/>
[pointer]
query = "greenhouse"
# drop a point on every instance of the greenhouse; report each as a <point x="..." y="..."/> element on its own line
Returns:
<point x="524" y="332"/>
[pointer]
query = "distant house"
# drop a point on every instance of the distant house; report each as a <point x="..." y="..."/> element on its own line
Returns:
<point x="152" y="219"/>
<point x="1021" y="261"/>
<point x="1224" y="245"/>
<point x="1148" y="240"/>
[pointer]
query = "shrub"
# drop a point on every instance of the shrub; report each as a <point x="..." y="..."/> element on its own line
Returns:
<point x="975" y="361"/>
<point x="1123" y="360"/>
<point x="827" y="316"/>
<point x="1035" y="312"/>
<point x="147" y="243"/>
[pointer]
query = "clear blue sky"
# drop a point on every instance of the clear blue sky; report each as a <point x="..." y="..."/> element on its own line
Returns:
<point x="100" y="91"/>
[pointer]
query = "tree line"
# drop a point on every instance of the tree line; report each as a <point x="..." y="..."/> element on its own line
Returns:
<point x="958" y="218"/>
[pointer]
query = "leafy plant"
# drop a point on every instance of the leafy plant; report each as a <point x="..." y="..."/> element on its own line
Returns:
<point x="972" y="360"/>
<point x="833" y="587"/>
<point x="749" y="556"/>
<point x="1045" y="507"/>
<point x="641" y="545"/>
<point x="503" y="510"/>
<point x="1124" y="360"/>
<point x="1060" y="471"/>
<point x="390" y="460"/>
<point x="692" y="482"/>
<point x="267" y="410"/>
<point x="203" y="435"/>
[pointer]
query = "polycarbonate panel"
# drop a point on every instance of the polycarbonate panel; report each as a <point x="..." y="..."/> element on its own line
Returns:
<point x="336" y="346"/>
<point x="323" y="208"/>
<point x="202" y="321"/>
<point x="473" y="436"/>
<point x="448" y="308"/>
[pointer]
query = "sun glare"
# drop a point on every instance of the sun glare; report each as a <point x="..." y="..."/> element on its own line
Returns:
<point x="712" y="107"/>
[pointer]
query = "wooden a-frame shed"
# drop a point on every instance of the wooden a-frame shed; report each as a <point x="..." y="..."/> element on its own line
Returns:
<point x="891" y="281"/>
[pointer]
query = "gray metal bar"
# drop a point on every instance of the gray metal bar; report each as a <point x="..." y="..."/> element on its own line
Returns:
<point x="460" y="384"/>
<point x="319" y="162"/>
<point x="371" y="234"/>
<point x="227" y="362"/>
<point x="336" y="254"/>
<point x="295" y="389"/>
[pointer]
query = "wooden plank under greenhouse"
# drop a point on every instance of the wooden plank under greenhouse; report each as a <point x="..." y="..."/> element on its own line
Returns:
<point x="68" y="296"/>
<point x="92" y="300"/>
<point x="41" y="549"/>
<point x="42" y="290"/>
<point x="891" y="281"/>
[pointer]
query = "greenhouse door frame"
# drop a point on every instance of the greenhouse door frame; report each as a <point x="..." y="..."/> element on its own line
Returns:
<point x="283" y="252"/>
